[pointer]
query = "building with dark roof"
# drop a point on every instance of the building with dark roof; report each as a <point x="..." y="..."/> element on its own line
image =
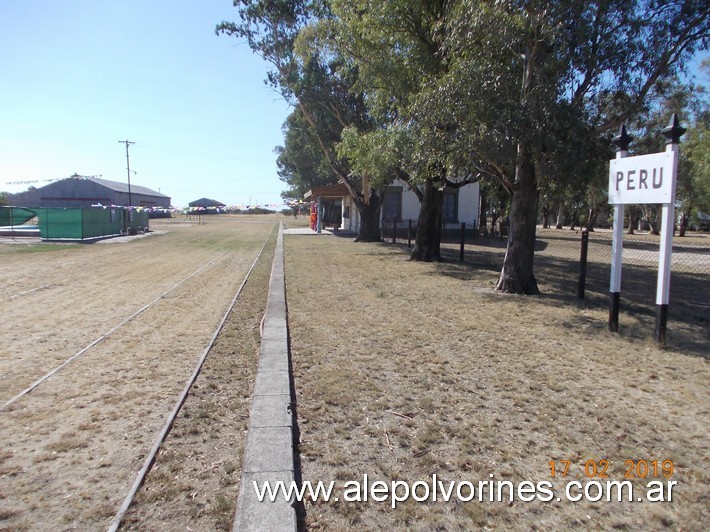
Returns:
<point x="79" y="191"/>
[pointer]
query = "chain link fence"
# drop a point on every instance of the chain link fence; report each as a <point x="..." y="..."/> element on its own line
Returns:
<point x="690" y="270"/>
<point x="557" y="266"/>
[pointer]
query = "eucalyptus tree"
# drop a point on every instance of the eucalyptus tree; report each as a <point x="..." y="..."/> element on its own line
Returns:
<point x="695" y="191"/>
<point x="690" y="103"/>
<point x="397" y="47"/>
<point x="301" y="162"/>
<point x="495" y="203"/>
<point x="316" y="84"/>
<point x="558" y="73"/>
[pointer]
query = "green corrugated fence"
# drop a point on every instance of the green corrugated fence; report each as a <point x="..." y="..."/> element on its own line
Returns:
<point x="137" y="221"/>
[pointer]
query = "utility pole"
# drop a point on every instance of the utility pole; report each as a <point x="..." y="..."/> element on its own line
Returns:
<point x="128" y="169"/>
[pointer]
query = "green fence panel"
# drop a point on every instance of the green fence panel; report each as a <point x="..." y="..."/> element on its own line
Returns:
<point x="15" y="215"/>
<point x="85" y="223"/>
<point x="98" y="222"/>
<point x="59" y="223"/>
<point x="136" y="221"/>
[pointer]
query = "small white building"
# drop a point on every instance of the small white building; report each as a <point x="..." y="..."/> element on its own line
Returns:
<point x="401" y="203"/>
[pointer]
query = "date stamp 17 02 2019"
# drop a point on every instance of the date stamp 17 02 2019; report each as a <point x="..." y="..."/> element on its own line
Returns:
<point x="603" y="469"/>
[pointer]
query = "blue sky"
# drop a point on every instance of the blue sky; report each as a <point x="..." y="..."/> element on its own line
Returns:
<point x="77" y="76"/>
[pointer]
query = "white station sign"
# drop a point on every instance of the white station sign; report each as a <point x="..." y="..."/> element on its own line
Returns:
<point x="642" y="179"/>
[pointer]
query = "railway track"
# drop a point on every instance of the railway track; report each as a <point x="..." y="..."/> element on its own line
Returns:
<point x="92" y="419"/>
<point x="100" y="265"/>
<point x="140" y="478"/>
<point x="85" y="306"/>
<point x="108" y="333"/>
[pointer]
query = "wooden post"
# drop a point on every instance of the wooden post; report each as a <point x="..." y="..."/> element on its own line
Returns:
<point x="581" y="284"/>
<point x="319" y="215"/>
<point x="463" y="236"/>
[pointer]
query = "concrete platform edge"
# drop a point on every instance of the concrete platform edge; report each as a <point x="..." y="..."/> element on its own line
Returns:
<point x="268" y="455"/>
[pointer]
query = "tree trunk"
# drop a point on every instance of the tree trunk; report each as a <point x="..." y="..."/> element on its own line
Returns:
<point x="650" y="216"/>
<point x="683" y="223"/>
<point x="517" y="274"/>
<point x="546" y="217"/>
<point x="427" y="246"/>
<point x="560" y="216"/>
<point x="482" y="212"/>
<point x="632" y="220"/>
<point x="370" y="219"/>
<point x="591" y="218"/>
<point x="494" y="221"/>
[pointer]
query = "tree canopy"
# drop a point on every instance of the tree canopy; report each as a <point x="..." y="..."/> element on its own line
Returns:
<point x="438" y="92"/>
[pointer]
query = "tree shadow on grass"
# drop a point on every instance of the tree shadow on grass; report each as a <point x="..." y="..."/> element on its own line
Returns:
<point x="689" y="309"/>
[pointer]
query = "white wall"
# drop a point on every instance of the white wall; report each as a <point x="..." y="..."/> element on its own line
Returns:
<point x="410" y="203"/>
<point x="353" y="222"/>
<point x="468" y="207"/>
<point x="468" y="204"/>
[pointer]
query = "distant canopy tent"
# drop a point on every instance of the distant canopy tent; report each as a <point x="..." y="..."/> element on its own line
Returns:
<point x="206" y="206"/>
<point x="15" y="215"/>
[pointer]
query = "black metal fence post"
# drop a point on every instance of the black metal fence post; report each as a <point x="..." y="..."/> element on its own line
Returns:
<point x="583" y="264"/>
<point x="409" y="234"/>
<point x="463" y="237"/>
<point x="394" y="232"/>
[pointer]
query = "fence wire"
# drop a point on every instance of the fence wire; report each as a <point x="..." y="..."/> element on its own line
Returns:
<point x="690" y="269"/>
<point x="557" y="266"/>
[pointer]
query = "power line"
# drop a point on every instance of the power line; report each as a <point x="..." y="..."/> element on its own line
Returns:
<point x="52" y="180"/>
<point x="202" y="155"/>
<point x="210" y="179"/>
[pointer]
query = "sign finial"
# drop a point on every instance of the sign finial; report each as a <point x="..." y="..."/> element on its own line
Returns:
<point x="623" y="139"/>
<point x="673" y="131"/>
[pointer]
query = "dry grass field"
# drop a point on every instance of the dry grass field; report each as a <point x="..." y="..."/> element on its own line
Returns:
<point x="557" y="268"/>
<point x="403" y="370"/>
<point x="70" y="450"/>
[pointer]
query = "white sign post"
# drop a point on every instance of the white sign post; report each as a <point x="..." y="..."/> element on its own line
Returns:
<point x="617" y="244"/>
<point x="638" y="180"/>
